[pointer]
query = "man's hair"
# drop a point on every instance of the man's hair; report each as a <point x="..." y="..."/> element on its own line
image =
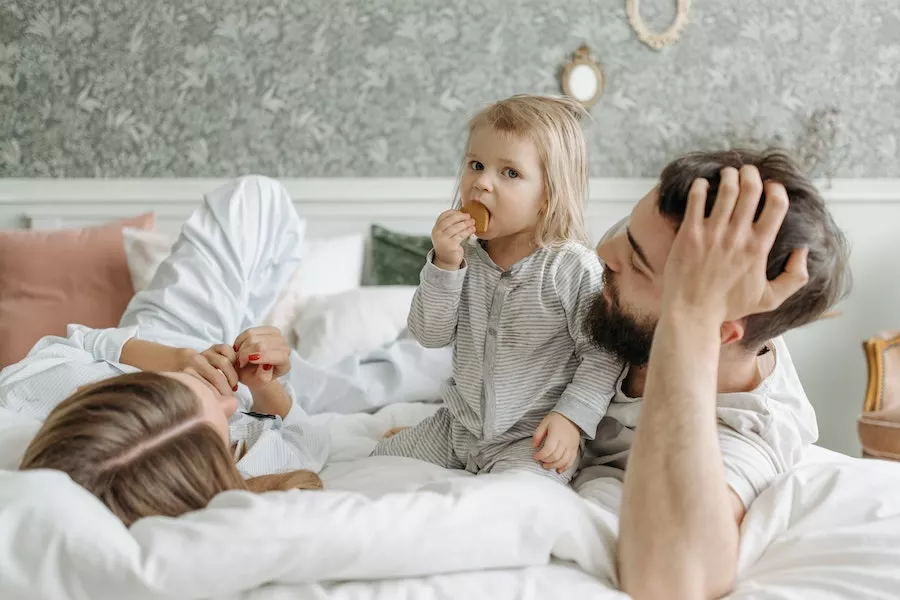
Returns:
<point x="807" y="223"/>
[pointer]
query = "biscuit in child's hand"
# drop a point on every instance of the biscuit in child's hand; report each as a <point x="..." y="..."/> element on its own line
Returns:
<point x="480" y="213"/>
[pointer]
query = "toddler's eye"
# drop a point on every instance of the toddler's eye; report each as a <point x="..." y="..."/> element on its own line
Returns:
<point x="511" y="173"/>
<point x="475" y="165"/>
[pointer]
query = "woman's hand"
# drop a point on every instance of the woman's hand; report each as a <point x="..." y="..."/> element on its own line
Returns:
<point x="216" y="365"/>
<point x="261" y="355"/>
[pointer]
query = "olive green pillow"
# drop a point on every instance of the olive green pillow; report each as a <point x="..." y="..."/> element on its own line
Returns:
<point x="395" y="258"/>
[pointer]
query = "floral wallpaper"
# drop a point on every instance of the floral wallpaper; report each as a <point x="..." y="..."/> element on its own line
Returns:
<point x="131" y="88"/>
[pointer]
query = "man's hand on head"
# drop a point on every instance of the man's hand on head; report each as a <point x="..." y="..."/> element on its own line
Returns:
<point x="717" y="265"/>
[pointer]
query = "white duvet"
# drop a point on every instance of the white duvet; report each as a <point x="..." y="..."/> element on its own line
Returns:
<point x="395" y="528"/>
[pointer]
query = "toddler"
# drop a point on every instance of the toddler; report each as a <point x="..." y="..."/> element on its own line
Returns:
<point x="528" y="385"/>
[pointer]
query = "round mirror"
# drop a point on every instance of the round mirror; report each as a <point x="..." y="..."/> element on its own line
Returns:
<point x="582" y="78"/>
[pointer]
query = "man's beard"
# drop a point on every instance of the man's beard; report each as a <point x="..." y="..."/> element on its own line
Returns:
<point x="612" y="330"/>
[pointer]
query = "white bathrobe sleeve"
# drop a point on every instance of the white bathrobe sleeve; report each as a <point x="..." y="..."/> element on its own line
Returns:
<point x="57" y="366"/>
<point x="402" y="371"/>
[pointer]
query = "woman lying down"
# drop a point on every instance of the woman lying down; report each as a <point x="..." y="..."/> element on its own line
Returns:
<point x="183" y="400"/>
<point x="159" y="442"/>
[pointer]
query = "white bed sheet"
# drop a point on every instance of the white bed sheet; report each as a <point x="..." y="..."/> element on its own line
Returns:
<point x="831" y="529"/>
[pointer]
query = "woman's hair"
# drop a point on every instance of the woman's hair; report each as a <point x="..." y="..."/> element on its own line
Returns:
<point x="553" y="125"/>
<point x="139" y="443"/>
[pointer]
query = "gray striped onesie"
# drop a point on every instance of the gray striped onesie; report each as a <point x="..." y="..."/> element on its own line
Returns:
<point x="521" y="352"/>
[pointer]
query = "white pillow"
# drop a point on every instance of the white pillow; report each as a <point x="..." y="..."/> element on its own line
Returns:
<point x="330" y="328"/>
<point x="145" y="249"/>
<point x="328" y="266"/>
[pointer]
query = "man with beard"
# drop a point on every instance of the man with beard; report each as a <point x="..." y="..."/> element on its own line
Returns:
<point x="724" y="255"/>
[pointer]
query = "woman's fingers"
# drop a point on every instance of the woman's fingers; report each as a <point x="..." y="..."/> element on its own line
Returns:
<point x="225" y="364"/>
<point x="271" y="349"/>
<point x="211" y="374"/>
<point x="264" y="374"/>
<point x="273" y="356"/>
<point x="265" y="356"/>
<point x="255" y="333"/>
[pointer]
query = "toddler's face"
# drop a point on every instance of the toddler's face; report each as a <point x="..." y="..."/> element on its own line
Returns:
<point x="504" y="172"/>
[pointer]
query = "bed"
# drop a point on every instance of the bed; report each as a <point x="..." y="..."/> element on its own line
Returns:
<point x="395" y="528"/>
<point x="390" y="527"/>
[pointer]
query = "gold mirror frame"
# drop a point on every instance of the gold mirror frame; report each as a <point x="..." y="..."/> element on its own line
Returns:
<point x="581" y="59"/>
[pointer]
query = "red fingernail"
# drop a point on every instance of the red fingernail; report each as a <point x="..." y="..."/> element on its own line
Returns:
<point x="234" y="389"/>
<point x="235" y="347"/>
<point x="253" y="357"/>
<point x="267" y="367"/>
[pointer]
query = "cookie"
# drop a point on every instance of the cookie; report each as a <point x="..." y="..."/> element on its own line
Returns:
<point x="480" y="213"/>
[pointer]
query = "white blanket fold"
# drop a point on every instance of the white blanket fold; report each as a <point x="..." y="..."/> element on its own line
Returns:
<point x="243" y="540"/>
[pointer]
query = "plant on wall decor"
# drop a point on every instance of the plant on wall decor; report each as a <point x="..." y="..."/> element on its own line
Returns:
<point x="820" y="144"/>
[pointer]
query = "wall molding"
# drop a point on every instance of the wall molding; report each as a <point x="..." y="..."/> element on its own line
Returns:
<point x="358" y="189"/>
<point x="332" y="205"/>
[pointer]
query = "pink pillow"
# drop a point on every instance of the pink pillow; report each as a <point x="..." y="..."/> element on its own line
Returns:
<point x="49" y="279"/>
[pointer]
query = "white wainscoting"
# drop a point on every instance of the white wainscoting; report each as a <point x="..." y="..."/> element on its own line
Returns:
<point x="827" y="354"/>
<point x="331" y="206"/>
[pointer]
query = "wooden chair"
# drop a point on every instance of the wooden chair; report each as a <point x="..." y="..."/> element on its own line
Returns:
<point x="879" y="424"/>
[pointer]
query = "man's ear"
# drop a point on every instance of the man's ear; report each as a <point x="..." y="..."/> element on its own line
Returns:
<point x="731" y="331"/>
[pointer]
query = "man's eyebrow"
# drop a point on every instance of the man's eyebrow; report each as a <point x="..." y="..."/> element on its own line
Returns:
<point x="638" y="250"/>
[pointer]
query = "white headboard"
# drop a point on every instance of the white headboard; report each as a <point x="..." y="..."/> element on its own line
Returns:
<point x="827" y="354"/>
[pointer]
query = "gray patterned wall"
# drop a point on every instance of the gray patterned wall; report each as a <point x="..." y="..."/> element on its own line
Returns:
<point x="141" y="88"/>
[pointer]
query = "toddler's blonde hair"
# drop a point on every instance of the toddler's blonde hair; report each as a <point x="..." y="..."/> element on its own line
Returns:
<point x="552" y="123"/>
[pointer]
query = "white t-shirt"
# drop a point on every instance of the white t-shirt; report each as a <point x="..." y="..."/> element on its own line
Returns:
<point x="762" y="433"/>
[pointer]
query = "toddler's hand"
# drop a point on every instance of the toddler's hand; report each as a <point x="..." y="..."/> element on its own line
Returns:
<point x="561" y="439"/>
<point x="450" y="229"/>
<point x="393" y="431"/>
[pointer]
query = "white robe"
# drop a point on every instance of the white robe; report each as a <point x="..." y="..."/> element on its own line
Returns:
<point x="233" y="256"/>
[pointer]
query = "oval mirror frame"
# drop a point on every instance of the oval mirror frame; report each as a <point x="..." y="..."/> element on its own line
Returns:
<point x="582" y="78"/>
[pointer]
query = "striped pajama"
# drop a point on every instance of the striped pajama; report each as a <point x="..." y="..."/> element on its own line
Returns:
<point x="521" y="351"/>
